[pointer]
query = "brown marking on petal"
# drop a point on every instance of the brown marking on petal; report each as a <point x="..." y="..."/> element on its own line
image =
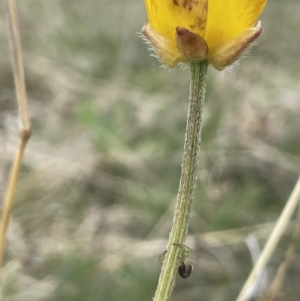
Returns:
<point x="190" y="4"/>
<point x="190" y="45"/>
<point x="201" y="19"/>
<point x="187" y="4"/>
<point x="199" y="8"/>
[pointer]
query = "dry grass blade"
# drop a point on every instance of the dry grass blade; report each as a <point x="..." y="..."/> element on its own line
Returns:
<point x="273" y="240"/>
<point x="282" y="270"/>
<point x="25" y="130"/>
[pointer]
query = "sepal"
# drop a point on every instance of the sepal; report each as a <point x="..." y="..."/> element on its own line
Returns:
<point x="166" y="51"/>
<point x="190" y="45"/>
<point x="229" y="52"/>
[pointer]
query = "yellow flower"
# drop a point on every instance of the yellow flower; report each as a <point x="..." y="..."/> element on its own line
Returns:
<point x="191" y="30"/>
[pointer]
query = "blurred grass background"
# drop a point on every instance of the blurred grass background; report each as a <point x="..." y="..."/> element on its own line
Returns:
<point x="99" y="181"/>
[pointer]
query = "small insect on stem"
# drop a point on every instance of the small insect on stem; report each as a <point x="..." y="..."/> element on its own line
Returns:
<point x="185" y="269"/>
<point x="186" y="266"/>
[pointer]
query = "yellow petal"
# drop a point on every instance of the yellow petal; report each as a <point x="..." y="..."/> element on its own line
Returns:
<point x="228" y="19"/>
<point x="165" y="15"/>
<point x="229" y="52"/>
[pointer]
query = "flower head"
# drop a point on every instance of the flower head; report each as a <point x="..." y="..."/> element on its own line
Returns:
<point x="216" y="30"/>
